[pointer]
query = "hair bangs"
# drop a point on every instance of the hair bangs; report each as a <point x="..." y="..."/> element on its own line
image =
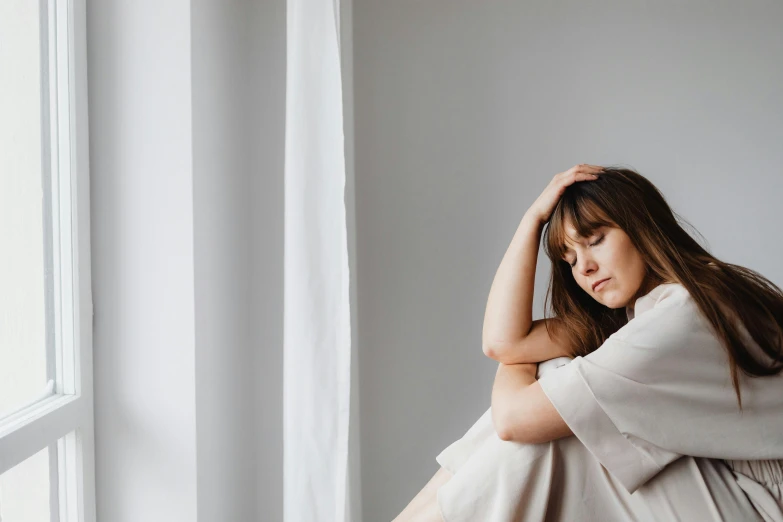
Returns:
<point x="582" y="212"/>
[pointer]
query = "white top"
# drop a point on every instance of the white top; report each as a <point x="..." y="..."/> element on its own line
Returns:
<point x="660" y="388"/>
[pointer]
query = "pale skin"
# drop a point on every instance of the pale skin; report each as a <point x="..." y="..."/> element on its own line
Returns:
<point x="520" y="410"/>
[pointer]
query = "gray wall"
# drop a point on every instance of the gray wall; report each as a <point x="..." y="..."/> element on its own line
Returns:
<point x="464" y="112"/>
<point x="187" y="124"/>
<point x="266" y="63"/>
<point x="236" y="51"/>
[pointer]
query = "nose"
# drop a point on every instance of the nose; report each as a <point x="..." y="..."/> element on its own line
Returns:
<point x="587" y="266"/>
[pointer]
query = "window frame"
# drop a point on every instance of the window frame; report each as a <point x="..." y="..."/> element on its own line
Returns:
<point x="63" y="420"/>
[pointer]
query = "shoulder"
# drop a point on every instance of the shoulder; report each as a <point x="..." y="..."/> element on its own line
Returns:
<point x="669" y="336"/>
<point x="665" y="316"/>
<point x="667" y="295"/>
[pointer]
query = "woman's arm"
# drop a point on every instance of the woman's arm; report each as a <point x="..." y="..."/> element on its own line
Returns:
<point x="537" y="346"/>
<point x="521" y="411"/>
<point x="510" y="336"/>
<point x="508" y="316"/>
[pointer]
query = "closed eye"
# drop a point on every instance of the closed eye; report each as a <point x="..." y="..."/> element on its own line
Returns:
<point x="597" y="242"/>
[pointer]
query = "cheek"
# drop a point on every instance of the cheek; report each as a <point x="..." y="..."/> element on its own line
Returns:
<point x="635" y="264"/>
<point x="622" y="259"/>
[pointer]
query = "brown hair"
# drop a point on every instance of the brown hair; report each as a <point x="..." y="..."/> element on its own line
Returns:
<point x="623" y="198"/>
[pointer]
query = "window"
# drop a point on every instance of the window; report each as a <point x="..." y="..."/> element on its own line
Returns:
<point x="46" y="399"/>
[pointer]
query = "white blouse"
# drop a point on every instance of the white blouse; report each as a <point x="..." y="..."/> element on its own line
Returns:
<point x="660" y="388"/>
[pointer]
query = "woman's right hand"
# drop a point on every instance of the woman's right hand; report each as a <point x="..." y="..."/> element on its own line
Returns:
<point x="542" y="208"/>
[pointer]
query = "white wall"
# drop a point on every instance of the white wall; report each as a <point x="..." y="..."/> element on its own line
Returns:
<point x="187" y="131"/>
<point x="226" y="113"/>
<point x="143" y="265"/>
<point x="464" y="112"/>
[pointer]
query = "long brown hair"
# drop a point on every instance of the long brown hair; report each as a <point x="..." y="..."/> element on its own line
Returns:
<point x="725" y="293"/>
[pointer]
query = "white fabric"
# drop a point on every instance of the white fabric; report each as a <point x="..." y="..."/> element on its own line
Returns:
<point x="317" y="342"/>
<point x="658" y="434"/>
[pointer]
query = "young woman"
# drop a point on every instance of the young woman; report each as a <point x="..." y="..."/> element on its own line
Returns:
<point x="663" y="361"/>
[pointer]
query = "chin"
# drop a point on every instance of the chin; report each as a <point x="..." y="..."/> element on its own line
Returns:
<point x="611" y="302"/>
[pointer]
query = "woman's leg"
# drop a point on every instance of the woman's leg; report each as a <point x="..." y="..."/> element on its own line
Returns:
<point x="424" y="506"/>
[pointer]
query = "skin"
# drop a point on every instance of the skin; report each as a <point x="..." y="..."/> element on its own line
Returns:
<point x="610" y="253"/>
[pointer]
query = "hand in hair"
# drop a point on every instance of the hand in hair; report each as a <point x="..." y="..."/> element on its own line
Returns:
<point x="541" y="209"/>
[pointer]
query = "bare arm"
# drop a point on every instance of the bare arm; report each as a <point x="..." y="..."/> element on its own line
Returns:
<point x="537" y="346"/>
<point x="521" y="411"/>
<point x="508" y="322"/>
<point x="510" y="335"/>
<point x="508" y="316"/>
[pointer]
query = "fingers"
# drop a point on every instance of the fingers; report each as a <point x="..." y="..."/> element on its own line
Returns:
<point x="584" y="167"/>
<point x="581" y="172"/>
<point x="546" y="202"/>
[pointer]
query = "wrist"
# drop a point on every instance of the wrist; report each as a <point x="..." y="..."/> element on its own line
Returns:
<point x="532" y="221"/>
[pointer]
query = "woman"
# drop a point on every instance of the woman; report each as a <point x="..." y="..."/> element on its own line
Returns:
<point x="662" y="360"/>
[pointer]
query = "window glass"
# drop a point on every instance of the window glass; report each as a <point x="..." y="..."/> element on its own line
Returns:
<point x="23" y="354"/>
<point x="24" y="491"/>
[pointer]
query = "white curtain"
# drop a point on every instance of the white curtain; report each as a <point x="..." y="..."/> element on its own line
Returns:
<point x="317" y="336"/>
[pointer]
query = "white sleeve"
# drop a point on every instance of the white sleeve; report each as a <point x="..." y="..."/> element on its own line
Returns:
<point x="632" y="461"/>
<point x="660" y="388"/>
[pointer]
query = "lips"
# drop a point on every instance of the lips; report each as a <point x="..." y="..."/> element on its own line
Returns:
<point x="599" y="282"/>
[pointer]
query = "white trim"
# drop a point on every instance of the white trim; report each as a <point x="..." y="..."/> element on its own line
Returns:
<point x="79" y="466"/>
<point x="47" y="392"/>
<point x="54" y="483"/>
<point x="66" y="170"/>
<point x="61" y="168"/>
<point x="52" y="164"/>
<point x="81" y="504"/>
<point x="46" y="187"/>
<point x="69" y="479"/>
<point x="32" y="430"/>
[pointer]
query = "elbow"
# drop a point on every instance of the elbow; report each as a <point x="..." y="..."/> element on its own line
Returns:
<point x="494" y="351"/>
<point x="489" y="350"/>
<point x="499" y="425"/>
<point x="501" y="355"/>
<point x="505" y="433"/>
<point x="509" y="429"/>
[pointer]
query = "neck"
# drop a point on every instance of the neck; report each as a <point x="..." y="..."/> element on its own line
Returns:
<point x="647" y="286"/>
